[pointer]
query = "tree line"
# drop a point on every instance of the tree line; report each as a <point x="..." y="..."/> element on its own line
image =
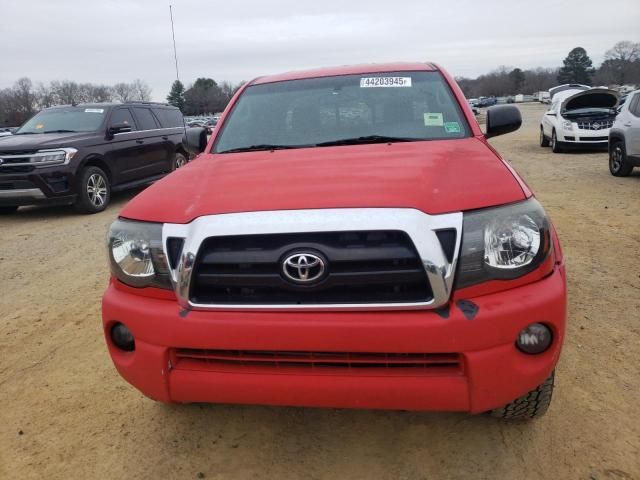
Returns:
<point x="203" y="96"/>
<point x="621" y="66"/>
<point x="24" y="99"/>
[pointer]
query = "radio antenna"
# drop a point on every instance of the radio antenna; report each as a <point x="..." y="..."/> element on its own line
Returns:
<point x="173" y="34"/>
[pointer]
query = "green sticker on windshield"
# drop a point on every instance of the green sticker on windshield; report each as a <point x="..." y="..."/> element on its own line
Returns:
<point x="433" y="119"/>
<point x="452" y="127"/>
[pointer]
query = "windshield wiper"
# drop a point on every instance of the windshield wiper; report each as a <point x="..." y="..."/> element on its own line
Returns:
<point x="256" y="148"/>
<point x="61" y="131"/>
<point x="367" y="139"/>
<point x="26" y="133"/>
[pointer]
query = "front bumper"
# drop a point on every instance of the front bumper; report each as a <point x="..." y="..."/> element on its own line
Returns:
<point x="584" y="138"/>
<point x="50" y="185"/>
<point x="493" y="372"/>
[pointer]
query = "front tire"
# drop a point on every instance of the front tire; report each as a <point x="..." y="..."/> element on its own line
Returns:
<point x="555" y="145"/>
<point x="619" y="166"/>
<point x="532" y="405"/>
<point x="544" y="141"/>
<point x="94" y="191"/>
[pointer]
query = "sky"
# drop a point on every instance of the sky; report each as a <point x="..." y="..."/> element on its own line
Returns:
<point x="110" y="41"/>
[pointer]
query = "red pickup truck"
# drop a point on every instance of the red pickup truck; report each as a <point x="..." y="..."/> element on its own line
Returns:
<point x="347" y="238"/>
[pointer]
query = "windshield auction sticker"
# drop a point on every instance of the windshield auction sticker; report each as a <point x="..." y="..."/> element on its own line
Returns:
<point x="93" y="110"/>
<point x="433" y="119"/>
<point x="452" y="127"/>
<point x="385" y="82"/>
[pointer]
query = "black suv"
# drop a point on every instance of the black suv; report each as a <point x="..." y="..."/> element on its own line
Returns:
<point x="79" y="154"/>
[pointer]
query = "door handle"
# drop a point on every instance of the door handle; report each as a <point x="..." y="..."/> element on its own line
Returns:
<point x="139" y="141"/>
<point x="628" y="124"/>
<point x="164" y="137"/>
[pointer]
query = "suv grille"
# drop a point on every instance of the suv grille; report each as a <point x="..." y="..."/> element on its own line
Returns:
<point x="320" y="362"/>
<point x="363" y="267"/>
<point x="595" y="125"/>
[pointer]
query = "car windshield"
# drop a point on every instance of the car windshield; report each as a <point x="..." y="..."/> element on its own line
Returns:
<point x="343" y="110"/>
<point x="71" y="119"/>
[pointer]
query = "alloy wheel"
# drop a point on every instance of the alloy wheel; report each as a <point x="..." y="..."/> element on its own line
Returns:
<point x="181" y="161"/>
<point x="97" y="189"/>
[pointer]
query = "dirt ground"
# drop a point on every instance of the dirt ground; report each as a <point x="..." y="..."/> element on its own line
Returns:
<point x="67" y="414"/>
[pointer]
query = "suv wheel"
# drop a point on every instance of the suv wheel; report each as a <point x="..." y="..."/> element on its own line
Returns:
<point x="544" y="141"/>
<point x="555" y="146"/>
<point x="532" y="405"/>
<point x="94" y="191"/>
<point x="618" y="164"/>
<point x="179" y="161"/>
<point x="8" y="210"/>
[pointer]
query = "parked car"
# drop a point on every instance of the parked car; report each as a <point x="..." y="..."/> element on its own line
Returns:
<point x="624" y="138"/>
<point x="579" y="118"/>
<point x="80" y="154"/>
<point x="201" y="124"/>
<point x="474" y="109"/>
<point x="349" y="239"/>
<point x="487" y="101"/>
<point x="6" y="131"/>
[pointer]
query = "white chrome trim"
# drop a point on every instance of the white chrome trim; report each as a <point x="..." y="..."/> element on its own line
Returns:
<point x="32" y="193"/>
<point x="150" y="130"/>
<point x="420" y="227"/>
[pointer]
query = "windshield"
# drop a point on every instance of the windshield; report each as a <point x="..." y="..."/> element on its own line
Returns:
<point x="342" y="110"/>
<point x="71" y="119"/>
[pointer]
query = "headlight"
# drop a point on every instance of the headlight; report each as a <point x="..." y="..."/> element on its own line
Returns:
<point x="59" y="156"/>
<point x="136" y="254"/>
<point x="503" y="243"/>
<point x="567" y="125"/>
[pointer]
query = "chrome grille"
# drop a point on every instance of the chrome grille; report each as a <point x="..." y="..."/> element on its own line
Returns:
<point x="595" y="125"/>
<point x="204" y="279"/>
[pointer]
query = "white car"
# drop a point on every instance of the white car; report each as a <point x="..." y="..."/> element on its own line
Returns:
<point x="624" y="138"/>
<point x="578" y="118"/>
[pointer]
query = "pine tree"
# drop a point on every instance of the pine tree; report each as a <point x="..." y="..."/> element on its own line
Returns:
<point x="577" y="68"/>
<point x="176" y="95"/>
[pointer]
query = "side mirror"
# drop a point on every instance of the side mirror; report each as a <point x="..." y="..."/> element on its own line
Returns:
<point x="195" y="140"/>
<point x="118" y="128"/>
<point x="502" y="119"/>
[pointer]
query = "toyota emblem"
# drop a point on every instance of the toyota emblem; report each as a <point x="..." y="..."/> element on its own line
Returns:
<point x="303" y="267"/>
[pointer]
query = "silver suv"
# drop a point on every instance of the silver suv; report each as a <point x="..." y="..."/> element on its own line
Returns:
<point x="624" y="138"/>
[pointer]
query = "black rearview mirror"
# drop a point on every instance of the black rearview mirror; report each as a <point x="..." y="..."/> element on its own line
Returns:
<point x="502" y="119"/>
<point x="195" y="140"/>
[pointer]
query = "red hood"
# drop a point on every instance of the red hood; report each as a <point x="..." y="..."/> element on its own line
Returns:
<point x="435" y="177"/>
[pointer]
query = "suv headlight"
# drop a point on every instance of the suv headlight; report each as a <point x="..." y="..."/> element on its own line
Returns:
<point x="58" y="156"/>
<point x="136" y="255"/>
<point x="503" y="243"/>
<point x="567" y="125"/>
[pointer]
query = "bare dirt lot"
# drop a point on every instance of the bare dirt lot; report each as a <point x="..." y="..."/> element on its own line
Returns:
<point x="65" y="412"/>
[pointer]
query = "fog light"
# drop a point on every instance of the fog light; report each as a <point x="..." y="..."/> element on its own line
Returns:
<point x="123" y="338"/>
<point x="536" y="338"/>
